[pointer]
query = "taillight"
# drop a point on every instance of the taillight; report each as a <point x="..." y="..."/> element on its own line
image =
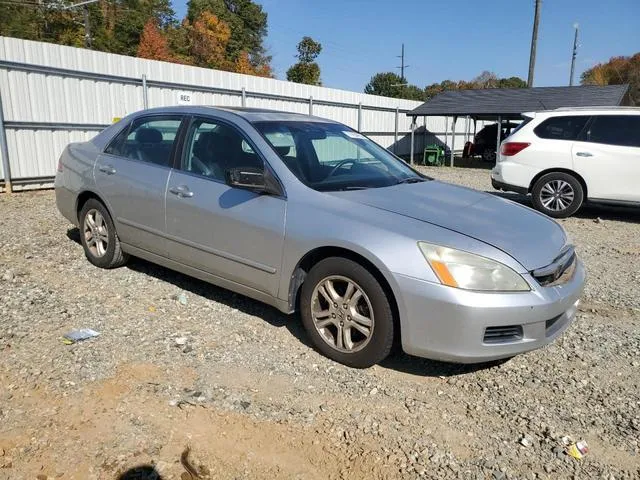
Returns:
<point x="511" y="148"/>
<point x="60" y="165"/>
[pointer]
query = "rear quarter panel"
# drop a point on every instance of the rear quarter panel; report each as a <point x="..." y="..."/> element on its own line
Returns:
<point x="77" y="161"/>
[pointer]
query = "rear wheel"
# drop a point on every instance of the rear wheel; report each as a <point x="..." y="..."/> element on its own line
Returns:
<point x="98" y="236"/>
<point x="346" y="313"/>
<point x="489" y="155"/>
<point x="558" y="194"/>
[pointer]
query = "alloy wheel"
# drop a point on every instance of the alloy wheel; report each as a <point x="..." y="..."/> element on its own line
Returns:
<point x="342" y="314"/>
<point x="557" y="195"/>
<point x="95" y="232"/>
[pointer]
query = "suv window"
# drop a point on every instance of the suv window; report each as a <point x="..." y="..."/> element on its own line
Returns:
<point x="615" y="130"/>
<point x="213" y="147"/>
<point x="148" y="139"/>
<point x="561" y="128"/>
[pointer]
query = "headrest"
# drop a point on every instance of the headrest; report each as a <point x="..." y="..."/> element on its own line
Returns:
<point x="283" y="151"/>
<point x="148" y="135"/>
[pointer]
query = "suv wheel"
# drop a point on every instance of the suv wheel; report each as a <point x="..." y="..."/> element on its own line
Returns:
<point x="489" y="155"/>
<point x="558" y="194"/>
<point x="98" y="236"/>
<point x="346" y="313"/>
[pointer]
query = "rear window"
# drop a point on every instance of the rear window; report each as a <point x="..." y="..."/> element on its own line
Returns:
<point x="562" y="128"/>
<point x="615" y="130"/>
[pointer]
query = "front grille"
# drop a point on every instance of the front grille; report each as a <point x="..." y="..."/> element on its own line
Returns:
<point x="510" y="333"/>
<point x="560" y="271"/>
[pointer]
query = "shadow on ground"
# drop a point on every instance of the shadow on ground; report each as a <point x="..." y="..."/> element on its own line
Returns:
<point x="398" y="360"/>
<point x="141" y="472"/>
<point x="587" y="212"/>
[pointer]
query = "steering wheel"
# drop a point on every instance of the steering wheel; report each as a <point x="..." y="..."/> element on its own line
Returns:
<point x="339" y="166"/>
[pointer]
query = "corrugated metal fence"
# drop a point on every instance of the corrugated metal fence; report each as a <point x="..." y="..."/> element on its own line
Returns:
<point x="52" y="95"/>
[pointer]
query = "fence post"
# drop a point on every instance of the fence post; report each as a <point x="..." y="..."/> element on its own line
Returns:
<point x="360" y="117"/>
<point x="4" y="149"/>
<point x="244" y="97"/>
<point x="310" y="105"/>
<point x="395" y="136"/>
<point x="145" y="98"/>
<point x="413" y="128"/>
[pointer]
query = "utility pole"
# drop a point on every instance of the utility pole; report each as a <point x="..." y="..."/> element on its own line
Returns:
<point x="87" y="23"/>
<point x="574" y="55"/>
<point x="87" y="27"/>
<point x="402" y="66"/>
<point x="534" y="42"/>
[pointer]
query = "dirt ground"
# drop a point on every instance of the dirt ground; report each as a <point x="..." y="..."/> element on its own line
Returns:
<point x="186" y="373"/>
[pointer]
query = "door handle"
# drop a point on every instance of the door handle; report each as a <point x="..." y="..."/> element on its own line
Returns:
<point x="108" y="169"/>
<point x="584" y="154"/>
<point x="182" y="191"/>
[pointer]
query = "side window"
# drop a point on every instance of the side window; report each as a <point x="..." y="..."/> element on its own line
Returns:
<point x="213" y="147"/>
<point x="149" y="139"/>
<point x="621" y="130"/>
<point x="562" y="128"/>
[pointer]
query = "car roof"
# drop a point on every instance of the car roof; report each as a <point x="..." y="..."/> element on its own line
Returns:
<point x="250" y="114"/>
<point x="595" y="110"/>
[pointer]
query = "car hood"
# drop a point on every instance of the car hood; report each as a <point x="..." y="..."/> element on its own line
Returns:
<point x="531" y="238"/>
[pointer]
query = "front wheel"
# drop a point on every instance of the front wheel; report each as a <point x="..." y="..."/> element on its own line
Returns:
<point x="557" y="194"/>
<point x="347" y="313"/>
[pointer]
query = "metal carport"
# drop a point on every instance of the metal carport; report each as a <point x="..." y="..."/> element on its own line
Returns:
<point x="509" y="103"/>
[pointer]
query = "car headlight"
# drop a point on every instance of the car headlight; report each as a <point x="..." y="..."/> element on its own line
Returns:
<point x="459" y="269"/>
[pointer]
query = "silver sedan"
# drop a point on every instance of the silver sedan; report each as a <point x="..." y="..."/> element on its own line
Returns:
<point x="308" y="215"/>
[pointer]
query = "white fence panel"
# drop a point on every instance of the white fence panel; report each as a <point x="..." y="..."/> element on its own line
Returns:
<point x="53" y="95"/>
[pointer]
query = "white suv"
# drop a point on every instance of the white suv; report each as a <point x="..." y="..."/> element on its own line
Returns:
<point x="568" y="156"/>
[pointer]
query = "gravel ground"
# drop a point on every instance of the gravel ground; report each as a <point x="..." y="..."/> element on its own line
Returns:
<point x="182" y="363"/>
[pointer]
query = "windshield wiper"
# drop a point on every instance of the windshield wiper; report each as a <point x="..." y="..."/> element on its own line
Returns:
<point x="411" y="180"/>
<point x="354" y="188"/>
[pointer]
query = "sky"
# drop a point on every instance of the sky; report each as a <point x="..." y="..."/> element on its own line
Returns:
<point x="453" y="40"/>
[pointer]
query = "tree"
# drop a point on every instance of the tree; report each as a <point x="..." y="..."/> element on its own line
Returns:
<point x="386" y="84"/>
<point x="617" y="71"/>
<point x="485" y="80"/>
<point x="306" y="70"/>
<point x="512" y="82"/>
<point x="117" y="25"/>
<point x="247" y="22"/>
<point x="153" y="44"/>
<point x="389" y="84"/>
<point x="209" y="39"/>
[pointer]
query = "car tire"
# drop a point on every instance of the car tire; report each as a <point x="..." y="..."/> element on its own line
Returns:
<point x="489" y="155"/>
<point x="557" y="194"/>
<point x="98" y="236"/>
<point x="354" y="312"/>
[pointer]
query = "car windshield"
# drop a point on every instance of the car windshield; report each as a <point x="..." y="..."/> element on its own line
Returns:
<point x="330" y="156"/>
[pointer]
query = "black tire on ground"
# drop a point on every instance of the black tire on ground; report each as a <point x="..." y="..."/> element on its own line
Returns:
<point x="382" y="333"/>
<point x="570" y="191"/>
<point x="113" y="256"/>
<point x="488" y="155"/>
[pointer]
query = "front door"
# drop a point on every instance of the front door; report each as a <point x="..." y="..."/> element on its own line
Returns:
<point x="608" y="157"/>
<point x="232" y="233"/>
<point x="132" y="177"/>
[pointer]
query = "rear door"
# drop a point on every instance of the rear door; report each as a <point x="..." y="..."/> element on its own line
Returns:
<point x="607" y="156"/>
<point x="232" y="233"/>
<point x="132" y="177"/>
<point x="554" y="145"/>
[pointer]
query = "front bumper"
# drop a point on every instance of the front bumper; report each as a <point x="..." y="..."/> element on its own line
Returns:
<point x="449" y="324"/>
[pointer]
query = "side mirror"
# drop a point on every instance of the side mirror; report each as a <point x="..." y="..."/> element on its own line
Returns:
<point x="251" y="178"/>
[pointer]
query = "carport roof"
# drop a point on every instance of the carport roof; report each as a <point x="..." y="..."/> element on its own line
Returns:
<point x="511" y="102"/>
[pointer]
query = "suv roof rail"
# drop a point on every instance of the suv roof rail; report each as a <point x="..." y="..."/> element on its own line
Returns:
<point x="600" y="107"/>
